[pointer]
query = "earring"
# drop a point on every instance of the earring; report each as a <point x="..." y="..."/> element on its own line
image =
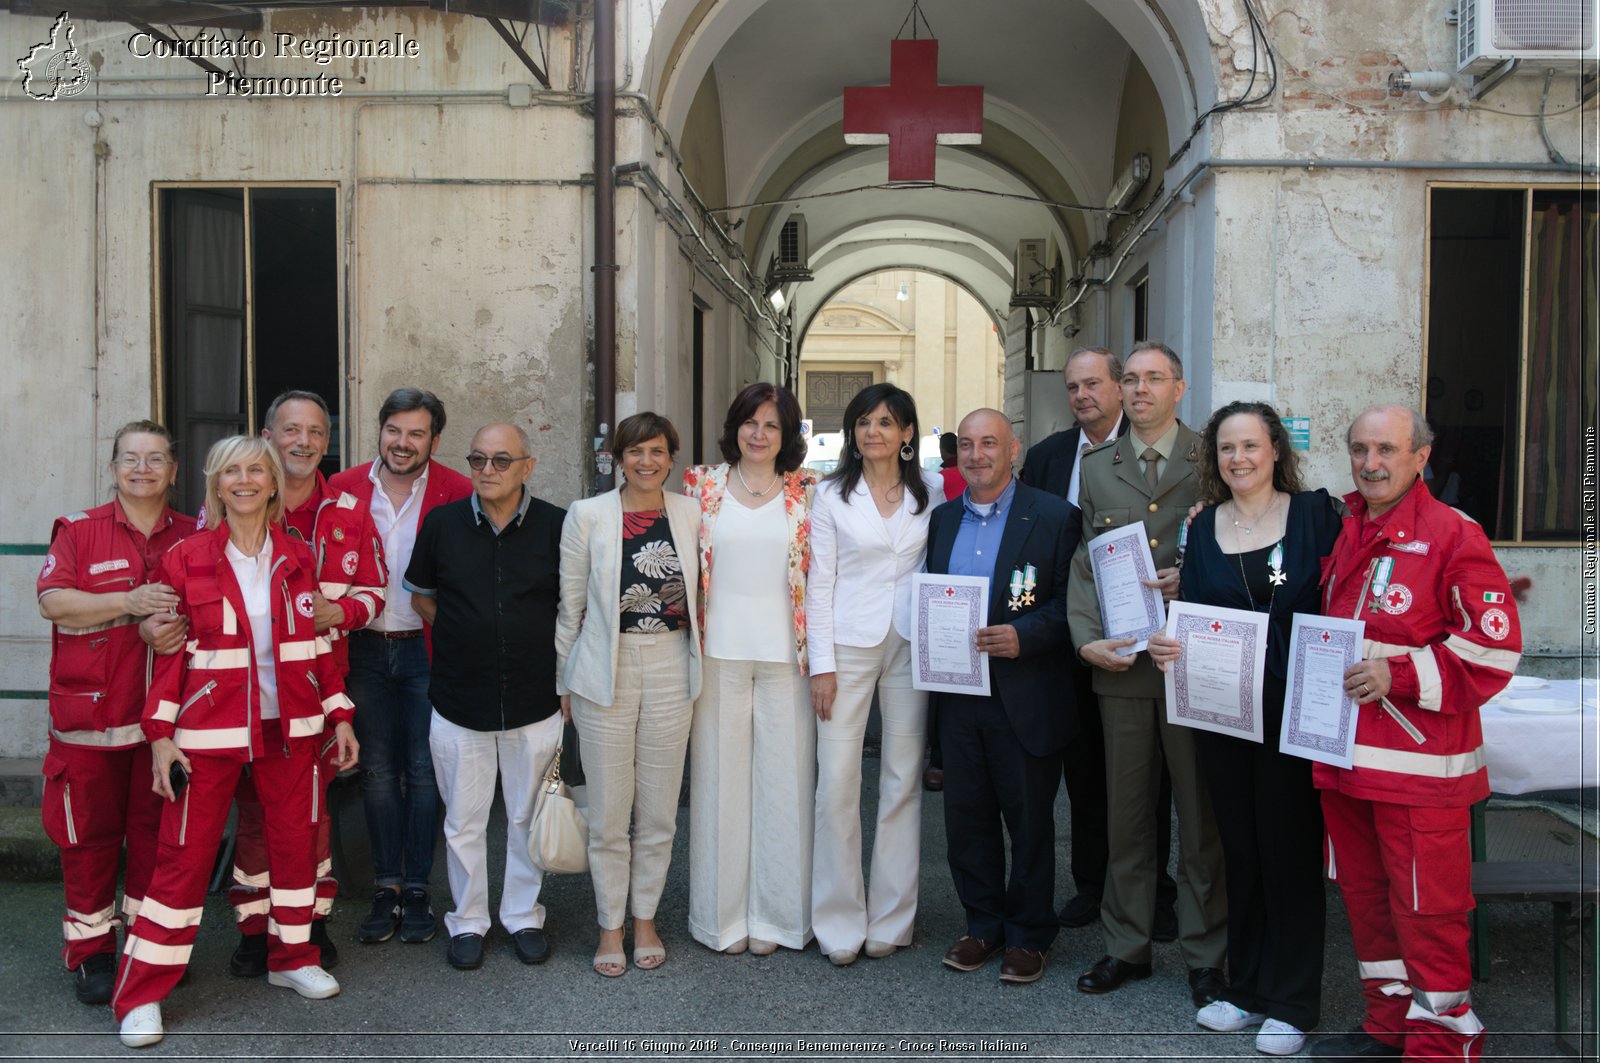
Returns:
<point x="856" y="454"/>
<point x="907" y="451"/>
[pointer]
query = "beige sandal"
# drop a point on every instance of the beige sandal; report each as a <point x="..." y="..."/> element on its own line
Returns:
<point x="610" y="959"/>
<point x="643" y="953"/>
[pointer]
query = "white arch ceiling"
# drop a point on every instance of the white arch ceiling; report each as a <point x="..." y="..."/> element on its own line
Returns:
<point x="1053" y="72"/>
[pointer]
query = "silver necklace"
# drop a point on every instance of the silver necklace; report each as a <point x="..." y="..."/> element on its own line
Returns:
<point x="739" y="472"/>
<point x="1275" y="564"/>
<point x="1251" y="529"/>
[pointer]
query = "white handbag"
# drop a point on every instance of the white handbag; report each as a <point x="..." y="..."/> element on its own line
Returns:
<point x="558" y="840"/>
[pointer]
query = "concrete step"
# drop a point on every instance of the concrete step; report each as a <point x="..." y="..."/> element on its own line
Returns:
<point x="26" y="854"/>
<point x="21" y="781"/>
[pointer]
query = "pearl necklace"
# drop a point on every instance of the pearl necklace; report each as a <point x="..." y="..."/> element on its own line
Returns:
<point x="739" y="472"/>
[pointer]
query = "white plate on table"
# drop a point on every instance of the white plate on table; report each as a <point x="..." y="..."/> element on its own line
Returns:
<point x="1537" y="706"/>
<point x="1527" y="682"/>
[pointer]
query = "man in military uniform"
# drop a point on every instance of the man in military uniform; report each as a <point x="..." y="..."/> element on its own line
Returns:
<point x="1150" y="474"/>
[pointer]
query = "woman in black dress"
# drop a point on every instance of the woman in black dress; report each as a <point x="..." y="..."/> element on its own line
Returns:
<point x="1259" y="545"/>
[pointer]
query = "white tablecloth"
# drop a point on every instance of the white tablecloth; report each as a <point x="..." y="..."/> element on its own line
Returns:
<point x="1538" y="748"/>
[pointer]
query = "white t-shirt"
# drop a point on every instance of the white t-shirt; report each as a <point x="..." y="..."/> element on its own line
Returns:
<point x="748" y="613"/>
<point x="255" y="575"/>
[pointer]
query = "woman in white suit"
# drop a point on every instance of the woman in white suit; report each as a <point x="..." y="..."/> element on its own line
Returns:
<point x="628" y="671"/>
<point x="869" y="530"/>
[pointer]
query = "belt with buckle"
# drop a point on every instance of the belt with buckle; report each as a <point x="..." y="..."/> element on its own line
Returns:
<point x="392" y="636"/>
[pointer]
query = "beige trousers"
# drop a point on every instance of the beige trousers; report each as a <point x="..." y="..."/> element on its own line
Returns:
<point x="632" y="753"/>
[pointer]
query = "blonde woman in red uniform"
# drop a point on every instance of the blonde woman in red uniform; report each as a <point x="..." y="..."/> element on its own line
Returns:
<point x="97" y="581"/>
<point x="255" y="686"/>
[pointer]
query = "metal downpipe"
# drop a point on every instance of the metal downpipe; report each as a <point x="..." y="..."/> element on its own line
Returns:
<point x="605" y="238"/>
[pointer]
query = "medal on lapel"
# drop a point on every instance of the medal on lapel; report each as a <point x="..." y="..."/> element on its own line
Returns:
<point x="1030" y="580"/>
<point x="1380" y="581"/>
<point x="1014" y="603"/>
<point x="1275" y="562"/>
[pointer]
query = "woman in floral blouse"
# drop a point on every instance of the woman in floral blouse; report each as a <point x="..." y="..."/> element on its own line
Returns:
<point x="753" y="742"/>
<point x="628" y="671"/>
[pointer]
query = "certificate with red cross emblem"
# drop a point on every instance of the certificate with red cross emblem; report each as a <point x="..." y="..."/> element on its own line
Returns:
<point x="1319" y="719"/>
<point x="1215" y="684"/>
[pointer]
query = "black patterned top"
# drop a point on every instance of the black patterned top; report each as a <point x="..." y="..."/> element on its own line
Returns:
<point x="653" y="600"/>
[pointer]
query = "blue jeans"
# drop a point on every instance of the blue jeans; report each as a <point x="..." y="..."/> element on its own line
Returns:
<point x="388" y="681"/>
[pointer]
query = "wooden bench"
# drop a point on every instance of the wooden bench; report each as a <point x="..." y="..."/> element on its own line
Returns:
<point x="1571" y="889"/>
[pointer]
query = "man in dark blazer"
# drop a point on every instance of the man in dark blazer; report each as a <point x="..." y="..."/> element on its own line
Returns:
<point x="1094" y="392"/>
<point x="1002" y="752"/>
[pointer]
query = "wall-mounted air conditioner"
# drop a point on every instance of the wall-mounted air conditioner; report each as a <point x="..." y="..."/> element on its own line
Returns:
<point x="1544" y="34"/>
<point x="1034" y="280"/>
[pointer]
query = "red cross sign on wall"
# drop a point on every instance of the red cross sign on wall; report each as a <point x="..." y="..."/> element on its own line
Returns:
<point x="913" y="112"/>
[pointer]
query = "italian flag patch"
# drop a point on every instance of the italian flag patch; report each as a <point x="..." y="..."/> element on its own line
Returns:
<point x="1494" y="597"/>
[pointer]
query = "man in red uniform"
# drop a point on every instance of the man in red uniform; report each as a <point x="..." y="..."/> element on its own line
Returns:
<point x="350" y="570"/>
<point x="97" y="581"/>
<point x="1442" y="637"/>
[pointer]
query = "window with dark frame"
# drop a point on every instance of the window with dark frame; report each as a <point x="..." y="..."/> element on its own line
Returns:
<point x="1511" y="354"/>
<point x="249" y="307"/>
<point x="1140" y="292"/>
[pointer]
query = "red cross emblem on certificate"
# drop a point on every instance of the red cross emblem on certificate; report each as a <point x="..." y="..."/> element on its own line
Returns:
<point x="1216" y="627"/>
<point x="949" y="592"/>
<point x="1326" y="637"/>
<point x="913" y="112"/>
<point x="1111" y="548"/>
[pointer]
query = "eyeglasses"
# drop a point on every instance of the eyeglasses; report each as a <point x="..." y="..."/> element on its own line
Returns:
<point x="501" y="462"/>
<point x="1149" y="380"/>
<point x="153" y="462"/>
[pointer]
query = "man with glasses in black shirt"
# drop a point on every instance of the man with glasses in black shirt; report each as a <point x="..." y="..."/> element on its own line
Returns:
<point x="485" y="573"/>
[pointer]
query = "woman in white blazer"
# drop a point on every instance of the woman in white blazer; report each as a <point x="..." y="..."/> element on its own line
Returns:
<point x="869" y="530"/>
<point x="628" y="671"/>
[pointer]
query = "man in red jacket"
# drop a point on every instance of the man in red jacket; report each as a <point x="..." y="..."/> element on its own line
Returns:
<point x="351" y="579"/>
<point x="389" y="669"/>
<point x="1442" y="637"/>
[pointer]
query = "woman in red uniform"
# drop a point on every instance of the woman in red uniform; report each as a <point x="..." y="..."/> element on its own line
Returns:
<point x="255" y="686"/>
<point x="95" y="586"/>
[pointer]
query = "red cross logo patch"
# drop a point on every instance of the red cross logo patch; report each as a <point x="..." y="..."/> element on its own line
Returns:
<point x="349" y="563"/>
<point x="1397" y="599"/>
<point x="1495" y="623"/>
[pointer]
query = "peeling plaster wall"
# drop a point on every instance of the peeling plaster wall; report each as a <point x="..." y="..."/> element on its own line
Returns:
<point x="1320" y="277"/>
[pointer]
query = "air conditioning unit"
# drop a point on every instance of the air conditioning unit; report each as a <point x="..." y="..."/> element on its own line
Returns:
<point x="1034" y="282"/>
<point x="1544" y="34"/>
<point x="792" y="245"/>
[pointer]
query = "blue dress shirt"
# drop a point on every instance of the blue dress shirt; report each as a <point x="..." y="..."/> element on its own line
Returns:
<point x="978" y="539"/>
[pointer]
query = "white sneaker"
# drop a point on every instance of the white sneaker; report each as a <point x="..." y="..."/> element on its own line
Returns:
<point x="1279" y="1039"/>
<point x="142" y="1027"/>
<point x="1223" y="1017"/>
<point x="312" y="982"/>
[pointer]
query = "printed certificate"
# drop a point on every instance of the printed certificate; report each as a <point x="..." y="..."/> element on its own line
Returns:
<point x="1215" y="684"/>
<point x="946" y="613"/>
<point x="1319" y="719"/>
<point x="1128" y="609"/>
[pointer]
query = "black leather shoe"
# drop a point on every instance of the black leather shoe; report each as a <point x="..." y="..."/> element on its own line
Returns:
<point x="324" y="944"/>
<point x="466" y="952"/>
<point x="1165" y="926"/>
<point x="1081" y="911"/>
<point x="1108" y="973"/>
<point x="1358" y="1044"/>
<point x="533" y="945"/>
<point x="1206" y="985"/>
<point x="249" y="960"/>
<point x="96" y="978"/>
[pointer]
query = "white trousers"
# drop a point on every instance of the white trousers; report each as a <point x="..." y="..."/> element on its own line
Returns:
<point x="752" y="760"/>
<point x="843" y="914"/>
<point x="632" y="752"/>
<point x="465" y="763"/>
